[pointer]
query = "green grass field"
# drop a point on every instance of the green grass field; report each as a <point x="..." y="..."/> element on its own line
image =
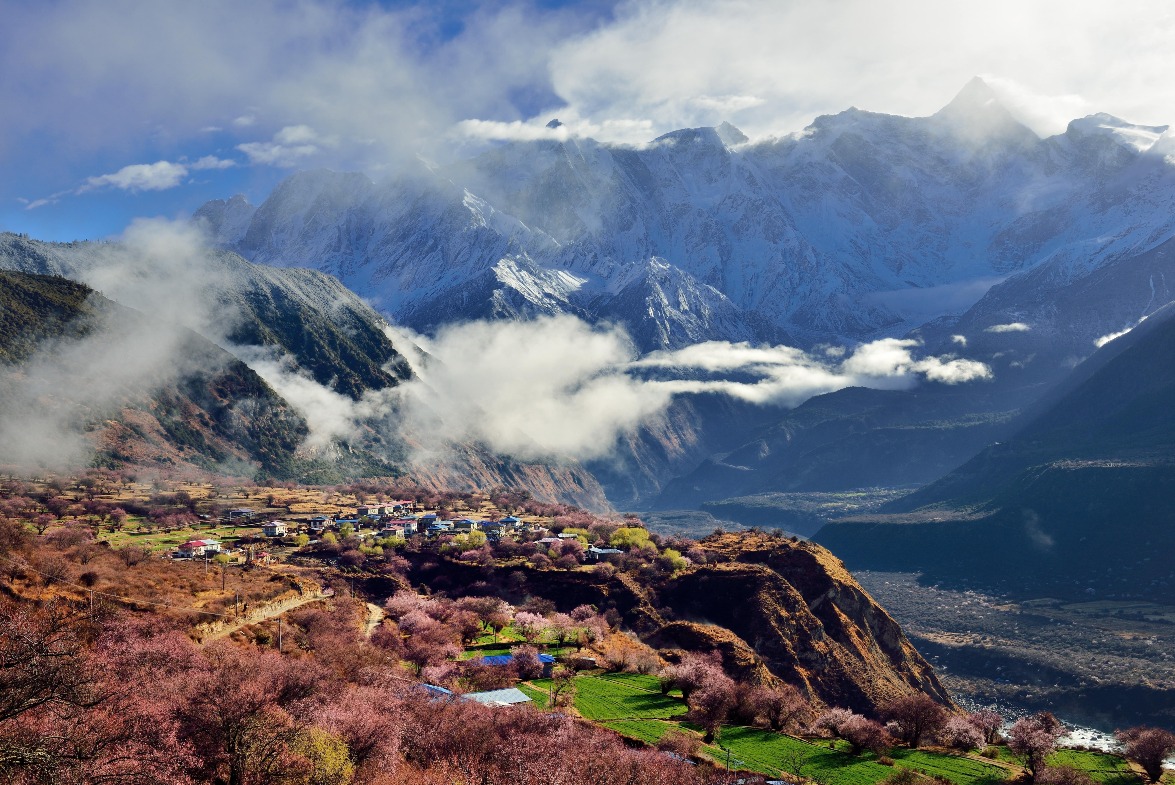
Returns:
<point x="633" y="706"/>
<point x="956" y="768"/>
<point x="1101" y="767"/>
<point x="165" y="541"/>
<point x="775" y="754"/>
<point x="540" y="696"/>
<point x="648" y="731"/>
<point x="623" y="696"/>
<point x="1108" y="769"/>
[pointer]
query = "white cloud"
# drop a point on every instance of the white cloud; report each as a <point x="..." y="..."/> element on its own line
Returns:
<point x="159" y="269"/>
<point x="961" y="340"/>
<point x="289" y="147"/>
<point x="212" y="162"/>
<point x="1012" y="327"/>
<point x="1105" y="339"/>
<point x="388" y="83"/>
<point x="688" y="63"/>
<point x="158" y="176"/>
<point x="558" y="387"/>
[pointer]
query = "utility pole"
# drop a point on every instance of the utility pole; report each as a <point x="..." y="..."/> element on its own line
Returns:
<point x="91" y="606"/>
<point x="237" y="603"/>
<point x="223" y="571"/>
<point x="279" y="634"/>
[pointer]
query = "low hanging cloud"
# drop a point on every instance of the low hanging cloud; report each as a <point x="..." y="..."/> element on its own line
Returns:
<point x="559" y="388"/>
<point x="553" y="388"/>
<point x="48" y="408"/>
<point x="1013" y="327"/>
<point x="1105" y="339"/>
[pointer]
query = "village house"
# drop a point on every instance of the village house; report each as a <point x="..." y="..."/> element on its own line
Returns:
<point x="318" y="524"/>
<point x="511" y="696"/>
<point x="275" y="529"/>
<point x="500" y="529"/>
<point x="597" y="554"/>
<point x="438" y="528"/>
<point x="465" y="526"/>
<point x="238" y="514"/>
<point x="407" y="524"/>
<point x="196" y="548"/>
<point x="547" y="661"/>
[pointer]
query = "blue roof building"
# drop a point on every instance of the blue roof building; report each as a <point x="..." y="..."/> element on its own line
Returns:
<point x="508" y="697"/>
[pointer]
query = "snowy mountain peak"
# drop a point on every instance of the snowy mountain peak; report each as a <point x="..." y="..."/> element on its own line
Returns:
<point x="977" y="115"/>
<point x="976" y="95"/>
<point x="730" y="135"/>
<point x="1137" y="137"/>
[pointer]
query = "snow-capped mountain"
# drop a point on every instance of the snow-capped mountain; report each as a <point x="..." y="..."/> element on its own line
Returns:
<point x="860" y="225"/>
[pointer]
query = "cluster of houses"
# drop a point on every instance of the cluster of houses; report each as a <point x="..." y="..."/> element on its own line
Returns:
<point x="369" y="523"/>
<point x="398" y="519"/>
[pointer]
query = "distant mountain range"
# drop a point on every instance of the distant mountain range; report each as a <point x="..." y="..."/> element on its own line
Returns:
<point x="861" y="225"/>
<point x="1077" y="502"/>
<point x="963" y="232"/>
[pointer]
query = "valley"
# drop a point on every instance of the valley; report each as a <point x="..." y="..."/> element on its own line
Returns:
<point x="1103" y="664"/>
<point x="347" y="593"/>
<point x="587" y="392"/>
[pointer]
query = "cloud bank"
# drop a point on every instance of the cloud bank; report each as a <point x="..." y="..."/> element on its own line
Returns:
<point x="94" y="79"/>
<point x="555" y="388"/>
<point x="558" y="388"/>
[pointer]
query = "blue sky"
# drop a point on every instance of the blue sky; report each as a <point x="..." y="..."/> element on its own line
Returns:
<point x="115" y="109"/>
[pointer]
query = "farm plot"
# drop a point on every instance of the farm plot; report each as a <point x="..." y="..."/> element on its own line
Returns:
<point x="776" y="754"/>
<point x="648" y="731"/>
<point x="598" y="699"/>
<point x="956" y="768"/>
<point x="540" y="696"/>
<point x="1103" y="768"/>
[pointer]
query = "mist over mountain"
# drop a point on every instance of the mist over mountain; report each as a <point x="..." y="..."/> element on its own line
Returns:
<point x="859" y="226"/>
<point x="964" y="231"/>
<point x="154" y="351"/>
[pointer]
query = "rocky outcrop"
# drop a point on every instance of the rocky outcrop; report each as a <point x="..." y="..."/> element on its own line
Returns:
<point x="775" y="609"/>
<point x="808" y="619"/>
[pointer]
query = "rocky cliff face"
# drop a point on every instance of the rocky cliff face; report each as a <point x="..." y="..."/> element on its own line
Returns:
<point x="805" y="617"/>
<point x="776" y="610"/>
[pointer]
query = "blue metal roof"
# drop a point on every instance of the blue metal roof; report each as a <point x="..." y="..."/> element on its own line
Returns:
<point x="504" y="697"/>
<point x="508" y="659"/>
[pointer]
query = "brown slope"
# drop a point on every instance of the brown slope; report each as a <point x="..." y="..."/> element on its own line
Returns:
<point x="806" y="617"/>
<point x="775" y="610"/>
